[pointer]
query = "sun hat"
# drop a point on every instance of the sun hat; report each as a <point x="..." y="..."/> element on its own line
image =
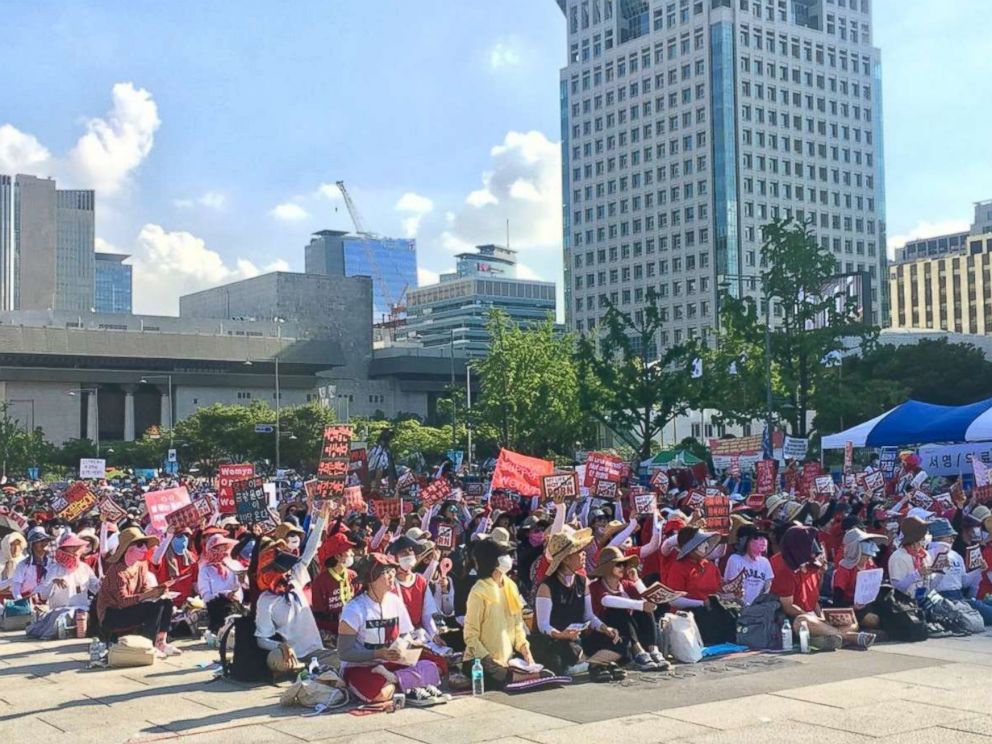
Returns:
<point x="371" y="565"/>
<point x="773" y="502"/>
<point x="614" y="528"/>
<point x="402" y="543"/>
<point x="566" y="543"/>
<point x="335" y="545"/>
<point x="71" y="541"/>
<point x="286" y="529"/>
<point x="920" y="513"/>
<point x="415" y="533"/>
<point x="941" y="528"/>
<point x="913" y="530"/>
<point x="691" y="538"/>
<point x="736" y="523"/>
<point x="131" y="536"/>
<point x="37" y="534"/>
<point x="608" y="558"/>
<point x="980" y="515"/>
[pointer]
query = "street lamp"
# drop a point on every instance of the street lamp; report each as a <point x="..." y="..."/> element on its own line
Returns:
<point x="144" y="381"/>
<point x="95" y="392"/>
<point x="278" y="322"/>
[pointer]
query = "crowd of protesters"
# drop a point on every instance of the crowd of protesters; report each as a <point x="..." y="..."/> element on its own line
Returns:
<point x="537" y="591"/>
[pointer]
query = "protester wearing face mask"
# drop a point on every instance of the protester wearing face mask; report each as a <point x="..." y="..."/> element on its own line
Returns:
<point x="418" y="599"/>
<point x="956" y="581"/>
<point x="68" y="579"/>
<point x="494" y="625"/>
<point x="175" y="562"/>
<point x="13" y="550"/>
<point x="529" y="548"/>
<point x="860" y="550"/>
<point x="334" y="587"/>
<point x="910" y="567"/>
<point x="750" y="549"/>
<point x="129" y="595"/>
<point x="219" y="580"/>
<point x="30" y="572"/>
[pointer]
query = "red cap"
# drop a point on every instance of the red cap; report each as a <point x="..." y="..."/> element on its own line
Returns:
<point x="334" y="545"/>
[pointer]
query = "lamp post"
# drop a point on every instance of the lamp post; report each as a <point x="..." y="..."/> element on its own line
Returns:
<point x="95" y="392"/>
<point x="279" y="322"/>
<point x="168" y="378"/>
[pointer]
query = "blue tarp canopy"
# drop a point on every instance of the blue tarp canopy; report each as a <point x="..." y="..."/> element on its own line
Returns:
<point x="914" y="422"/>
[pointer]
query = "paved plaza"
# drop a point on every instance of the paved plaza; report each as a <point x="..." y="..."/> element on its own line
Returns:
<point x="936" y="691"/>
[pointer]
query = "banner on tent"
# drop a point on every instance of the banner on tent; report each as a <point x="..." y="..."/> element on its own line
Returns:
<point x="953" y="459"/>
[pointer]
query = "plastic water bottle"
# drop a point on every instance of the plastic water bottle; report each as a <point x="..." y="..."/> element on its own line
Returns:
<point x="803" y="638"/>
<point x="786" y="635"/>
<point x="478" y="683"/>
<point x="314" y="667"/>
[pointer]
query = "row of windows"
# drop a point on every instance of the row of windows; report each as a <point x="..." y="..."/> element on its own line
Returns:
<point x="600" y="257"/>
<point x="783" y="45"/>
<point x="797" y="100"/>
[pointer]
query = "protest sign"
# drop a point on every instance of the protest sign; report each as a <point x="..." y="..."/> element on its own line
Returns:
<point x="227" y="475"/>
<point x="503" y="501"/>
<point x="848" y="456"/>
<point x="601" y="466"/>
<point x="353" y="499"/>
<point x="520" y="473"/>
<point x="695" y="500"/>
<point x="605" y="489"/>
<point x="983" y="494"/>
<point x="358" y="463"/>
<point x="735" y="586"/>
<point x="78" y="500"/>
<point x="919" y="479"/>
<point x="92" y="467"/>
<point x="161" y="503"/>
<point x="332" y="469"/>
<point x="943" y="501"/>
<point x="252" y="504"/>
<point x="794" y="448"/>
<point x="806" y="481"/>
<point x="644" y="503"/>
<point x="887" y="459"/>
<point x="406" y="481"/>
<point x="16" y="520"/>
<point x="755" y="501"/>
<point x="840" y="617"/>
<point x="920" y="499"/>
<point x="318" y="491"/>
<point x="660" y="482"/>
<point x="735" y="446"/>
<point x="474" y="491"/>
<point x="874" y="481"/>
<point x="824" y="487"/>
<point x="445" y="537"/>
<point x="973" y="559"/>
<point x="735" y="466"/>
<point x="561" y="487"/>
<point x="387" y="509"/>
<point x="716" y="509"/>
<point x="764" y="476"/>
<point x="110" y="510"/>
<point x="189" y="516"/>
<point x="948" y="460"/>
<point x="436" y="492"/>
<point x="660" y="594"/>
<point x="981" y="471"/>
<point x="866" y="585"/>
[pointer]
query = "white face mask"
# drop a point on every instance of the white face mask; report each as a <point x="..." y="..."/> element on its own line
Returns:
<point x="407" y="562"/>
<point x="293" y="542"/>
<point x="503" y="564"/>
<point x="349" y="560"/>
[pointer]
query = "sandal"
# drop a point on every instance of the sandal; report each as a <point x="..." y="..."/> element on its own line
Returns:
<point x="617" y="673"/>
<point x="599" y="673"/>
<point x="866" y="640"/>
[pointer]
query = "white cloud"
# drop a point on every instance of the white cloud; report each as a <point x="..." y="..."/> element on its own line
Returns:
<point x="454" y="244"/>
<point x="416" y="206"/>
<point x="426" y="276"/>
<point x="21" y="152"/>
<point x="104" y="157"/>
<point x="289" y="212"/>
<point x="169" y="264"/>
<point x="215" y="200"/>
<point x="482" y="197"/>
<point x="329" y="191"/>
<point x="503" y="54"/>
<point x="526" y="272"/>
<point x="183" y="203"/>
<point x="102" y="246"/>
<point x="924" y="229"/>
<point x="526" y="190"/>
<point x="113" y="147"/>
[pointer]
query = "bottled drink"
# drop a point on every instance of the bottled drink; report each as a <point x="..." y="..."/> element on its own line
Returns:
<point x="314" y="667"/>
<point x="786" y="635"/>
<point x="478" y="684"/>
<point x="803" y="637"/>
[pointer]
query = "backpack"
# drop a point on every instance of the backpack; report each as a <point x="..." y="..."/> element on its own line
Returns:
<point x="249" y="662"/>
<point x="900" y="616"/>
<point x="954" y="615"/>
<point x="757" y="626"/>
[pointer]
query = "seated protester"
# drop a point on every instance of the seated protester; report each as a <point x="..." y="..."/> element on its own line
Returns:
<point x="658" y="564"/>
<point x="696" y="575"/>
<point x="615" y="600"/>
<point x="910" y="567"/>
<point x="31" y="571"/>
<point x="418" y="600"/>
<point x="749" y="558"/>
<point x="68" y="580"/>
<point x="955" y="582"/>
<point x="859" y="551"/>
<point x="494" y="624"/>
<point x="798" y="570"/>
<point x="13" y="551"/>
<point x="373" y="626"/>
<point x="284" y="622"/>
<point x="90" y="555"/>
<point x="334" y="587"/>
<point x="175" y="562"/>
<point x="129" y="595"/>
<point x="218" y="580"/>
<point x="568" y="630"/>
<point x="530" y="545"/>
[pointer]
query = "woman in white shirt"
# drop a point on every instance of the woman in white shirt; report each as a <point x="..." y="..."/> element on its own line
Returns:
<point x="749" y="559"/>
<point x="68" y="581"/>
<point x="12" y="552"/>
<point x="218" y="581"/>
<point x="910" y="567"/>
<point x="956" y="581"/>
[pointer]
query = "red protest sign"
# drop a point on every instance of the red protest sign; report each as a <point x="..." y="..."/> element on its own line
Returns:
<point x="162" y="503"/>
<point x="983" y="494"/>
<point x="603" y="467"/>
<point x="226" y="476"/>
<point x="189" y="516"/>
<point x="503" y="501"/>
<point x="735" y="466"/>
<point x="660" y="482"/>
<point x="110" y="510"/>
<point x="695" y="500"/>
<point x="358" y="464"/>
<point x="318" y="490"/>
<point x="561" y="487"/>
<point x="353" y="499"/>
<point x="716" y="512"/>
<point x="337" y="433"/>
<point x="445" y="537"/>
<point x="332" y="469"/>
<point x="78" y="499"/>
<point x="764" y="476"/>
<point x="387" y="508"/>
<point x="520" y="473"/>
<point x="755" y="501"/>
<point x="437" y="491"/>
<point x="806" y="485"/>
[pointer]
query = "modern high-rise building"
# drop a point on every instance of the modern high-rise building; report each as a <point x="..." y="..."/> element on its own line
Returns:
<point x="112" y="285"/>
<point x="46" y="246"/>
<point x="945" y="282"/>
<point x="391" y="262"/>
<point x="688" y="124"/>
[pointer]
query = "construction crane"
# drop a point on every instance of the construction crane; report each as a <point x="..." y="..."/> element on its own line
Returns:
<point x="356" y="218"/>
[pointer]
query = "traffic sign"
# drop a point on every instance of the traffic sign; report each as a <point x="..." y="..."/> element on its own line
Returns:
<point x="264" y="428"/>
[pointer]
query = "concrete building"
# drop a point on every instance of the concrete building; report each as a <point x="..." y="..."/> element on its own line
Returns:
<point x="46" y="246"/>
<point x="688" y="124"/>
<point x="112" y="285"/>
<point x="453" y="313"/>
<point x="391" y="262"/>
<point x="945" y="282"/>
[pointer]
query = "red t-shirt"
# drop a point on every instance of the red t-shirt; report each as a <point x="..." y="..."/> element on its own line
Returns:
<point x="413" y="597"/>
<point x="327" y="603"/>
<point x="598" y="590"/>
<point x="802" y="585"/>
<point x="698" y="579"/>
<point x="846" y="578"/>
<point x="185" y="585"/>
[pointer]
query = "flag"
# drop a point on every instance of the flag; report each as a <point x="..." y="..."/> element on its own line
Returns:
<point x="697" y="368"/>
<point x="981" y="472"/>
<point x="733" y="368"/>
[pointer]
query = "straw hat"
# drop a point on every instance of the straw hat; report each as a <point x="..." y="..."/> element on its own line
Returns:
<point x="981" y="515"/>
<point x="131" y="536"/>
<point x="614" y="528"/>
<point x="563" y="544"/>
<point x="736" y="522"/>
<point x="773" y="502"/>
<point x="610" y="557"/>
<point x="790" y="511"/>
<point x="691" y="538"/>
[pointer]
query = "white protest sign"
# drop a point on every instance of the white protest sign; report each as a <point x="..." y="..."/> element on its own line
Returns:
<point x="92" y="467"/>
<point x="794" y="448"/>
<point x="866" y="586"/>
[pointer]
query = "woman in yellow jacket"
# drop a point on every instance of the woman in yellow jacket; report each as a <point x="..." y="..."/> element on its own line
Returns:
<point x="494" y="626"/>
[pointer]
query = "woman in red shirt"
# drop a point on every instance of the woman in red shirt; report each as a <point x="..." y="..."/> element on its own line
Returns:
<point x="694" y="574"/>
<point x="860" y="549"/>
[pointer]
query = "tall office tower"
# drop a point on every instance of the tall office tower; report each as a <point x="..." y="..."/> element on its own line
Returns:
<point x="112" y="284"/>
<point x="46" y="246"/>
<point x="689" y="124"/>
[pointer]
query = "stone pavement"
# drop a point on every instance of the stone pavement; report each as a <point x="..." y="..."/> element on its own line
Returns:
<point x="937" y="691"/>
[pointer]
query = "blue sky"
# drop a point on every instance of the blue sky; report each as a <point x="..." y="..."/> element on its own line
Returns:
<point x="212" y="131"/>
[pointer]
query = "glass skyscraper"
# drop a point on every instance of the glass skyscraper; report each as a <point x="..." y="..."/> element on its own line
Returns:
<point x="113" y="284"/>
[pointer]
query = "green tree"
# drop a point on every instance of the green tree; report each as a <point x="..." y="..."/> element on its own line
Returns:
<point x="20" y="449"/>
<point x="626" y="384"/>
<point x="302" y="430"/>
<point x="530" y="388"/>
<point x="226" y="432"/>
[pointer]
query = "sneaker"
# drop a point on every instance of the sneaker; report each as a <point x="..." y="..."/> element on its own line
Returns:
<point x="617" y="672"/>
<point x="418" y="697"/>
<point x="600" y="673"/>
<point x="657" y="657"/>
<point x="644" y="662"/>
<point x="168" y="649"/>
<point x="435" y="692"/>
<point x="866" y="640"/>
<point x="576" y="669"/>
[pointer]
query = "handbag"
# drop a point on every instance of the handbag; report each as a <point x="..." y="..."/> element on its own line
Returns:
<point x="900" y="616"/>
<point x="681" y="637"/>
<point x="17" y="614"/>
